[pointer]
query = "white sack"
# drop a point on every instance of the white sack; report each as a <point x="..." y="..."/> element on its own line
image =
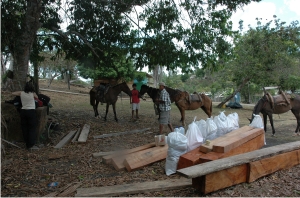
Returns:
<point x="257" y="123"/>
<point x="202" y="126"/>
<point x="233" y="121"/>
<point x="221" y="123"/>
<point x="194" y="136"/>
<point x="177" y="146"/>
<point x="211" y="129"/>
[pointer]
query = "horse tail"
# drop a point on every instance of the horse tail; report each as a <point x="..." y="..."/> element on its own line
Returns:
<point x="92" y="97"/>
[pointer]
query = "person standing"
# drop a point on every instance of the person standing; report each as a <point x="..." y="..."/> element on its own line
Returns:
<point x="164" y="107"/>
<point x="135" y="101"/>
<point x="28" y="114"/>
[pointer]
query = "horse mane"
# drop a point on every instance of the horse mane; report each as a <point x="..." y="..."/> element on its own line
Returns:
<point x="258" y="106"/>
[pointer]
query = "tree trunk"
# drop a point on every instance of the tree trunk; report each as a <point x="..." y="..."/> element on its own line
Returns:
<point x="23" y="44"/>
<point x="233" y="94"/>
<point x="36" y="77"/>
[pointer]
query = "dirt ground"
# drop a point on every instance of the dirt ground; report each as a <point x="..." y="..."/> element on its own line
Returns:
<point x="28" y="173"/>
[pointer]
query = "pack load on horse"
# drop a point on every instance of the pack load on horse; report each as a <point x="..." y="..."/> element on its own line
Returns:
<point x="108" y="95"/>
<point x="183" y="100"/>
<point x="281" y="103"/>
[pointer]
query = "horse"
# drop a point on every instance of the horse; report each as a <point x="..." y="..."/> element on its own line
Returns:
<point x="154" y="94"/>
<point x="110" y="97"/>
<point x="269" y="105"/>
<point x="181" y="100"/>
<point x="185" y="101"/>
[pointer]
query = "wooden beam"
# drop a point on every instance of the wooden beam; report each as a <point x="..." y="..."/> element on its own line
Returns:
<point x="252" y="145"/>
<point x="190" y="159"/>
<point x="208" y="148"/>
<point x="135" y="188"/>
<point x="108" y="159"/>
<point x="66" y="139"/>
<point x="101" y="154"/>
<point x="143" y="158"/>
<point x="51" y="90"/>
<point x="232" y="142"/>
<point x="270" y="165"/>
<point x="225" y="163"/>
<point x="118" y="163"/>
<point x="221" y="179"/>
<point x="121" y="133"/>
<point x="76" y="136"/>
<point x="84" y="133"/>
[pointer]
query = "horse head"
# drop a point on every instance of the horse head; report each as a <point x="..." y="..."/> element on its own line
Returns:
<point x="259" y="106"/>
<point x="144" y="89"/>
<point x="124" y="87"/>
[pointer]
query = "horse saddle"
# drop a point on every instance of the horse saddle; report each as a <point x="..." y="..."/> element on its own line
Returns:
<point x="195" y="97"/>
<point x="279" y="100"/>
<point x="102" y="89"/>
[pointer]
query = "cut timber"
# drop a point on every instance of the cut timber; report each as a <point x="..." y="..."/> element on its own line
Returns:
<point x="142" y="158"/>
<point x="118" y="163"/>
<point x="225" y="163"/>
<point x="208" y="148"/>
<point x="189" y="159"/>
<point x="108" y="158"/>
<point x="270" y="165"/>
<point x="101" y="154"/>
<point x="252" y="145"/>
<point x="232" y="142"/>
<point x="76" y="135"/>
<point x="122" y="133"/>
<point x="221" y="179"/>
<point x="66" y="139"/>
<point x="135" y="188"/>
<point x="84" y="133"/>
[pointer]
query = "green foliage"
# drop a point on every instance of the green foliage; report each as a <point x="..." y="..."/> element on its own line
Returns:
<point x="184" y="77"/>
<point x="139" y="76"/>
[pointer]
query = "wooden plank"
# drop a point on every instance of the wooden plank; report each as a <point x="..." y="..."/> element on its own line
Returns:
<point x="225" y="163"/>
<point x="84" y="133"/>
<point x="221" y="179"/>
<point x="108" y="159"/>
<point x="66" y="139"/>
<point x="142" y="158"/>
<point x="122" y="133"/>
<point x="189" y="159"/>
<point x="236" y="140"/>
<point x="208" y="148"/>
<point x="270" y="165"/>
<point x="101" y="154"/>
<point x="69" y="190"/>
<point x="76" y="135"/>
<point x="135" y="188"/>
<point x="252" y="145"/>
<point x="118" y="163"/>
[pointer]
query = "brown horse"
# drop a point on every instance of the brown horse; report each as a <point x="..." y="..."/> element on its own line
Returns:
<point x="110" y="97"/>
<point x="181" y="100"/>
<point x="185" y="101"/>
<point x="269" y="105"/>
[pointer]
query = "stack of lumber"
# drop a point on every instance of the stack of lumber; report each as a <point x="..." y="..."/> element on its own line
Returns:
<point x="135" y="158"/>
<point x="242" y="140"/>
<point x="246" y="167"/>
<point x="75" y="136"/>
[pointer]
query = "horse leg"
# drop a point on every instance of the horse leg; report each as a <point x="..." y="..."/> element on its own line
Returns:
<point x="114" y="109"/>
<point x="297" y="115"/>
<point x="182" y="112"/>
<point x="272" y="124"/>
<point x="265" y="122"/>
<point x="96" y="109"/>
<point x="107" y="107"/>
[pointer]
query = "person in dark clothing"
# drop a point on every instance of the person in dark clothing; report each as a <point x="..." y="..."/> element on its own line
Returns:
<point x="28" y="115"/>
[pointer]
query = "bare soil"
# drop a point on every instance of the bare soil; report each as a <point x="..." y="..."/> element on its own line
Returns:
<point x="28" y="173"/>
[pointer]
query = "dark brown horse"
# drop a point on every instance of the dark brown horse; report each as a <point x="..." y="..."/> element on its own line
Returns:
<point x="110" y="97"/>
<point x="185" y="101"/>
<point x="269" y="105"/>
<point x="181" y="100"/>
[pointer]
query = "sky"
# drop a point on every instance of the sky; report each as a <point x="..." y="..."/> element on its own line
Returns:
<point x="285" y="10"/>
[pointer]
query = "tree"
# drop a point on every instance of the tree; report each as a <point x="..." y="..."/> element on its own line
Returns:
<point x="97" y="29"/>
<point x="265" y="54"/>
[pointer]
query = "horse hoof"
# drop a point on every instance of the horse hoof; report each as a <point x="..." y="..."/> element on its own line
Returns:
<point x="273" y="135"/>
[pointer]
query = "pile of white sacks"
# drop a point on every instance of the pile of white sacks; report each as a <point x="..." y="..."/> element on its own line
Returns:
<point x="197" y="133"/>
